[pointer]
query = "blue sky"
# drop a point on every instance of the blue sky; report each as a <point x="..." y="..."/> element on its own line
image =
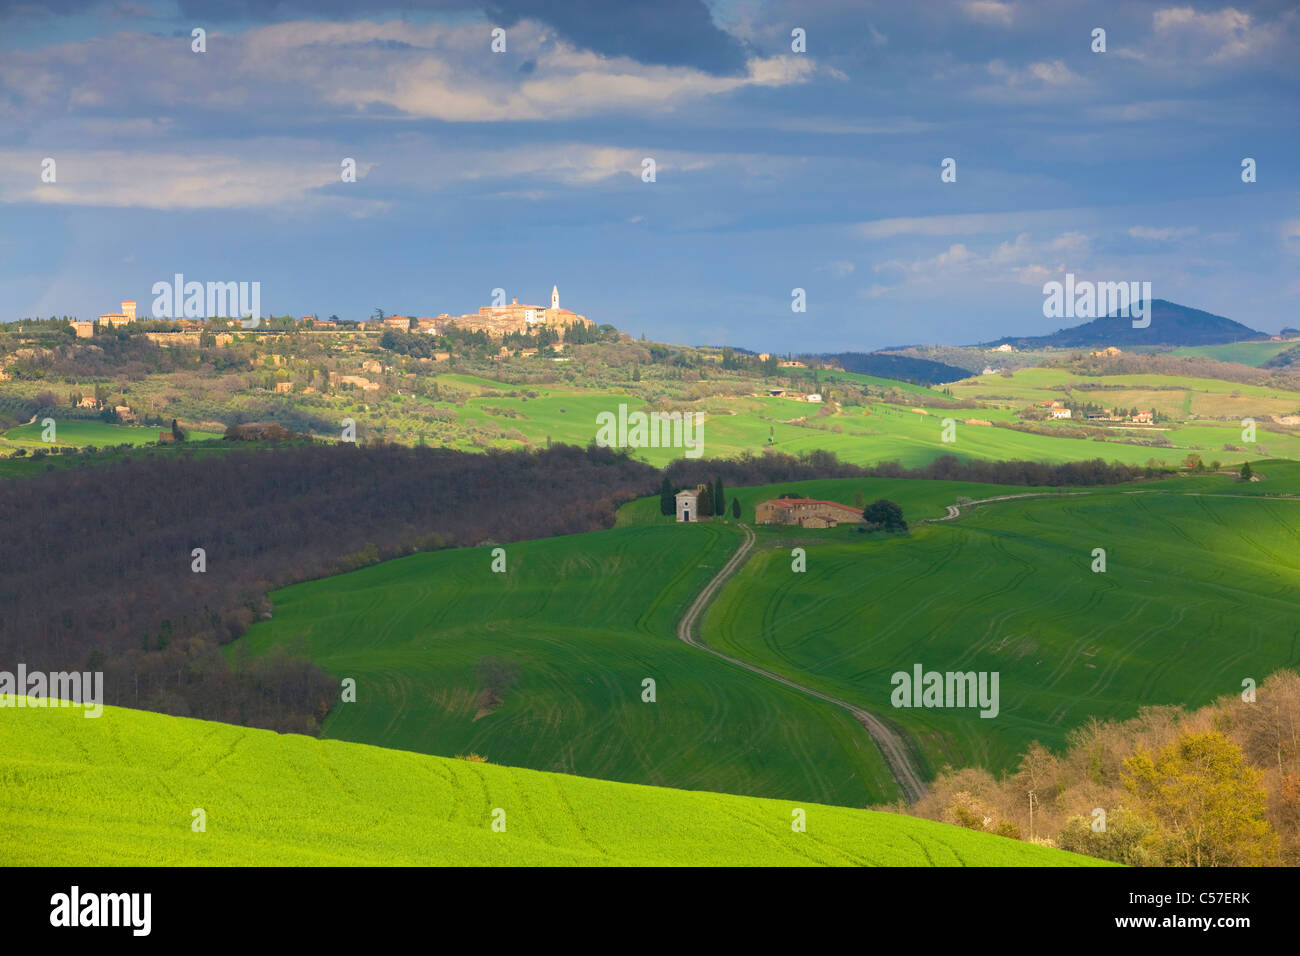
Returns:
<point x="775" y="169"/>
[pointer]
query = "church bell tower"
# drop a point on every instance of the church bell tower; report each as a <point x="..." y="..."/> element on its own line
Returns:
<point x="555" y="297"/>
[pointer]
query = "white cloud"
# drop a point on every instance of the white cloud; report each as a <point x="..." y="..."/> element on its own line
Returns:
<point x="962" y="224"/>
<point x="1040" y="81"/>
<point x="275" y="173"/>
<point x="1021" y="261"/>
<point x="166" y="180"/>
<point x="431" y="70"/>
<point x="1291" y="236"/>
<point x="1217" y="36"/>
<point x="1164" y="234"/>
<point x="577" y="164"/>
<point x="1143" y="111"/>
<point x="448" y="74"/>
<point x="821" y="124"/>
<point x="989" y="11"/>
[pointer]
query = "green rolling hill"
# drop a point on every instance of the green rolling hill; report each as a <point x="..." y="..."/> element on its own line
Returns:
<point x="1193" y="601"/>
<point x="575" y="624"/>
<point x="583" y="620"/>
<point x="1197" y="596"/>
<point x="122" y="789"/>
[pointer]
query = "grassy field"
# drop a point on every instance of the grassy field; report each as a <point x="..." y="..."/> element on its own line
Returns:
<point x="883" y="432"/>
<point x="1196" y="597"/>
<point x="28" y="466"/>
<point x="733" y="425"/>
<point x="120" y="790"/>
<point x="81" y="432"/>
<point x="584" y="619"/>
<point x="475" y="413"/>
<point x="1247" y="353"/>
<point x="1173" y="395"/>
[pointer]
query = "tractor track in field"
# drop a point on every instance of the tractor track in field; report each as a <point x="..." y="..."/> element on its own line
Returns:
<point x="954" y="510"/>
<point x="893" y="748"/>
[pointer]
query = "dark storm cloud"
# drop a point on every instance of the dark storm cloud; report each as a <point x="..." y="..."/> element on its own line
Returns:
<point x="664" y="32"/>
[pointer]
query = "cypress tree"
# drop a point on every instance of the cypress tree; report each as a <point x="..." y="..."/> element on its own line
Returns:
<point x="719" y="498"/>
<point x="706" y="502"/>
<point x="667" y="503"/>
<point x="735" y="507"/>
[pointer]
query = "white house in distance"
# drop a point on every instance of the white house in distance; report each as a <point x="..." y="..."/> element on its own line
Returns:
<point x="688" y="504"/>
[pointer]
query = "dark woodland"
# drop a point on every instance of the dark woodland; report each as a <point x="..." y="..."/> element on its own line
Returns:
<point x="96" y="563"/>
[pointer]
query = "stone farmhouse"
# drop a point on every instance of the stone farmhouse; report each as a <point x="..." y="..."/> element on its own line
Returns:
<point x="806" y="513"/>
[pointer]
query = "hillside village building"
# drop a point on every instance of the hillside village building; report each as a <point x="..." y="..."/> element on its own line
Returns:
<point x="119" y="318"/>
<point x="806" y="513"/>
<point x="498" y="321"/>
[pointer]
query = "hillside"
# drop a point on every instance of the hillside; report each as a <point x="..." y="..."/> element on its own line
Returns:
<point x="121" y="790"/>
<point x="1195" y="596"/>
<point x="576" y="624"/>
<point x="1171" y="324"/>
<point x="900" y="367"/>
<point x="1253" y="354"/>
<point x="477" y="398"/>
<point x="542" y="666"/>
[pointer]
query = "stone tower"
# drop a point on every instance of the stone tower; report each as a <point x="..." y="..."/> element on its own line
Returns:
<point x="555" y="297"/>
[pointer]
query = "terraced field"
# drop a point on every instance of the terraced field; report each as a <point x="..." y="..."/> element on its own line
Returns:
<point x="121" y="790"/>
<point x="1197" y="596"/>
<point x="581" y="620"/>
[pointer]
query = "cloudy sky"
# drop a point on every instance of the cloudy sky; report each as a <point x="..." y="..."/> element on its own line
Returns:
<point x="774" y="169"/>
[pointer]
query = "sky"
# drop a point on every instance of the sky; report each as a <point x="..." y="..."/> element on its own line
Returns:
<point x="774" y="168"/>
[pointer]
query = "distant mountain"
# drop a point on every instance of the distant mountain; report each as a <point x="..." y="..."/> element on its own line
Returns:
<point x="1171" y="324"/>
<point x="901" y="368"/>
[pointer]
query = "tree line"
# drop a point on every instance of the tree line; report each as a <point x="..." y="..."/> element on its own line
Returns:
<point x="1217" y="786"/>
<point x="771" y="467"/>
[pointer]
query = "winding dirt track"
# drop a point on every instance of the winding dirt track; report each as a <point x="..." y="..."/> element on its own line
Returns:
<point x="890" y="743"/>
<point x="955" y="512"/>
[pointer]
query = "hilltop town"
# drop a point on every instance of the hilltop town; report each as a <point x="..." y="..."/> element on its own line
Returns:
<point x="495" y="321"/>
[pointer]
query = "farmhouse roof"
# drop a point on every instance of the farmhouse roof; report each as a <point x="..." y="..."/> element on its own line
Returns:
<point x="788" y="502"/>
